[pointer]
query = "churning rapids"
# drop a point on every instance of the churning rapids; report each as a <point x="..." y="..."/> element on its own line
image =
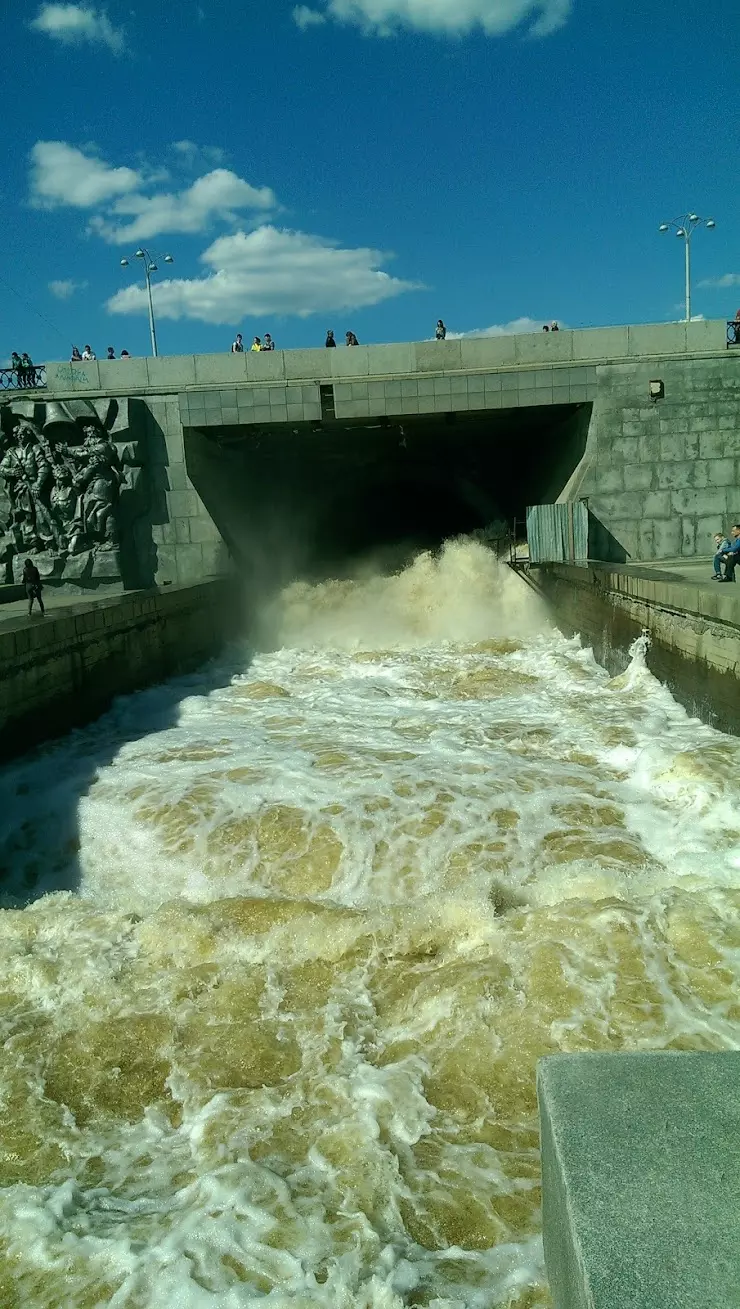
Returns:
<point x="303" y="924"/>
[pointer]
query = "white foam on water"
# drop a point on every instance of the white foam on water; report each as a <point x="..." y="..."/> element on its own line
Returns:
<point x="312" y="916"/>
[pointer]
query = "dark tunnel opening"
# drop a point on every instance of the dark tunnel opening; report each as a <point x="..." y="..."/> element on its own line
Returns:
<point x="315" y="499"/>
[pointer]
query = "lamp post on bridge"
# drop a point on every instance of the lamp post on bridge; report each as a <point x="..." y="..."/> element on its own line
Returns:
<point x="685" y="227"/>
<point x="150" y="266"/>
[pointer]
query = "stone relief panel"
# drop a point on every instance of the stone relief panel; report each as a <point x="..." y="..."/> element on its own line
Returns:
<point x="70" y="480"/>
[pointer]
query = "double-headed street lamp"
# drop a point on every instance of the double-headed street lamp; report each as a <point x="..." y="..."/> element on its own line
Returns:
<point x="150" y="266"/>
<point x="685" y="227"/>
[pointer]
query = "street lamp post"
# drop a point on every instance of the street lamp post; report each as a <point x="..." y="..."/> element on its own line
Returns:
<point x="150" y="266"/>
<point x="685" y="227"/>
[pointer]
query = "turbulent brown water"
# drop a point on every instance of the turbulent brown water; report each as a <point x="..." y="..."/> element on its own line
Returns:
<point x="280" y="1039"/>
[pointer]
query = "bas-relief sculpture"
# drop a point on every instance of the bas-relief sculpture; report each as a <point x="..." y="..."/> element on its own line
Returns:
<point x="66" y="472"/>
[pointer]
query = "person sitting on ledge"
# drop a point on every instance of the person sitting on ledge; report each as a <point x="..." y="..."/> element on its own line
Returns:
<point x="722" y="545"/>
<point x="731" y="557"/>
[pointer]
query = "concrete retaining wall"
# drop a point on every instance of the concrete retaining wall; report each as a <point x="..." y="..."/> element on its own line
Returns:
<point x="65" y="670"/>
<point x="694" y="630"/>
<point x="640" y="1183"/>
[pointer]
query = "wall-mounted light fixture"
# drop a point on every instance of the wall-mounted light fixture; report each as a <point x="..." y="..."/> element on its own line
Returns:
<point x="657" y="390"/>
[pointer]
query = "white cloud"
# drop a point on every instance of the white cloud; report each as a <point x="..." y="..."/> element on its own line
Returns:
<point x="305" y="17"/>
<point x="219" y="194"/>
<point x="65" y="287"/>
<point x="722" y="283"/>
<point x="265" y="270"/>
<point x="269" y="271"/>
<point x="62" y="176"/>
<point x="443" y="17"/>
<point x="516" y="327"/>
<point x="195" y="155"/>
<point x="75" y="24"/>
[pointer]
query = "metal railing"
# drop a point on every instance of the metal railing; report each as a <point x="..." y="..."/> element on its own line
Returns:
<point x="32" y="378"/>
<point x="733" y="333"/>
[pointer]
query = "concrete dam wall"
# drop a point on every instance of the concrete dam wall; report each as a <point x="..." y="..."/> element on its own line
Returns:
<point x="327" y="454"/>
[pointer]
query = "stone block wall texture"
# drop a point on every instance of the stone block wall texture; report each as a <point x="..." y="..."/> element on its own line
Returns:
<point x="186" y="543"/>
<point x="664" y="475"/>
<point x="694" y="631"/>
<point x="65" y="671"/>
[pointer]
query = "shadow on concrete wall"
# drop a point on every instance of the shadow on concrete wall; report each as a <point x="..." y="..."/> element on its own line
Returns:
<point x="146" y="506"/>
<point x="602" y="544"/>
<point x="41" y="792"/>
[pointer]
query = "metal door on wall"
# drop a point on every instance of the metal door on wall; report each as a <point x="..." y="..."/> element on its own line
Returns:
<point x="558" y="534"/>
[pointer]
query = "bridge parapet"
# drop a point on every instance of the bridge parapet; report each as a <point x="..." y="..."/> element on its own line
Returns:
<point x="173" y="373"/>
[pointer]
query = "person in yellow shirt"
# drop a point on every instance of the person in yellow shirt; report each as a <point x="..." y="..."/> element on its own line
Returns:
<point x="256" y="344"/>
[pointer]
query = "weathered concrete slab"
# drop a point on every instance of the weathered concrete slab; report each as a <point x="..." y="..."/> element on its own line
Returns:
<point x="641" y="1180"/>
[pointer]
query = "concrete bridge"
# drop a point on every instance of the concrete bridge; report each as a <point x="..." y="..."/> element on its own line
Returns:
<point x="297" y="457"/>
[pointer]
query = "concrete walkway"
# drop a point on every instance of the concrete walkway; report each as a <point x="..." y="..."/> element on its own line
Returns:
<point x="14" y="613"/>
<point x="696" y="571"/>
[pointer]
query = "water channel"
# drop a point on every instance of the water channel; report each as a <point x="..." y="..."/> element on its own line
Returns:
<point x="281" y="945"/>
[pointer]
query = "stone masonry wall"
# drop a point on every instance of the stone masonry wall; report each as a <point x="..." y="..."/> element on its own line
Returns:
<point x="663" y="476"/>
<point x="65" y="671"/>
<point x="188" y="546"/>
<point x="694" y="630"/>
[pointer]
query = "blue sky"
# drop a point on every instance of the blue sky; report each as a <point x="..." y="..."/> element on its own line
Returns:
<point x="363" y="164"/>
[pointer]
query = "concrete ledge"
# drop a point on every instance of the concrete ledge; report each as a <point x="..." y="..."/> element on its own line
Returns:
<point x="694" y="630"/>
<point x="65" y="670"/>
<point x="641" y="1180"/>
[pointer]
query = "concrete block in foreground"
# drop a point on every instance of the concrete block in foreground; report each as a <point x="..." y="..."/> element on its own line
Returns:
<point x="641" y="1180"/>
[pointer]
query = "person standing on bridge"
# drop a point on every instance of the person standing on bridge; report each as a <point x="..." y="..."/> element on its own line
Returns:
<point x="351" y="339"/>
<point x="256" y="344"/>
<point x="440" y="331"/>
<point x="237" y="345"/>
<point x="330" y="342"/>
<point x="268" y="343"/>
<point x="32" y="583"/>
